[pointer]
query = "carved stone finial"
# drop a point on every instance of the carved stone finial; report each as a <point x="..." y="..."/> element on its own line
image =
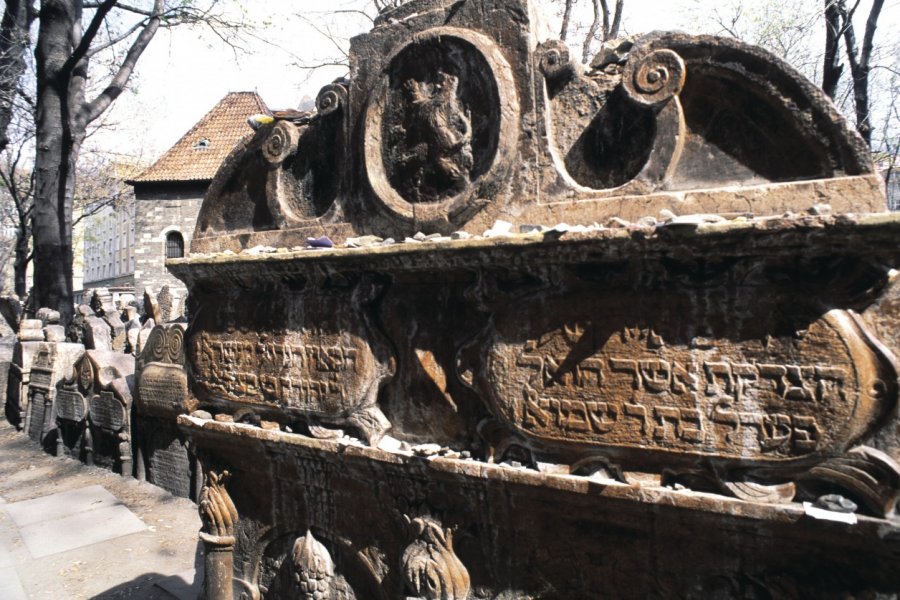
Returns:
<point x="217" y="511"/>
<point x="314" y="569"/>
<point x="431" y="569"/>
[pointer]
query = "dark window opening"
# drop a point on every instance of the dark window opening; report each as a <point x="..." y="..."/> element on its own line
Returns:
<point x="174" y="245"/>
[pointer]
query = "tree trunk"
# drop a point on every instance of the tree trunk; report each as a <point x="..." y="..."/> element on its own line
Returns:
<point x="831" y="64"/>
<point x="567" y="15"/>
<point x="17" y="19"/>
<point x="53" y="161"/>
<point x="20" y="263"/>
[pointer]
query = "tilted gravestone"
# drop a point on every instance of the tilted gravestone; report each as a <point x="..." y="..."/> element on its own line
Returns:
<point x="505" y="406"/>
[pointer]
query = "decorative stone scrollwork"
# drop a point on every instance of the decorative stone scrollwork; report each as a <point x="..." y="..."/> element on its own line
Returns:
<point x="175" y="345"/>
<point x="871" y="476"/>
<point x="330" y="99"/>
<point x="216" y="509"/>
<point x="313" y="568"/>
<point x="281" y="143"/>
<point x="155" y="348"/>
<point x="653" y="78"/>
<point x="86" y="376"/>
<point x="555" y="61"/>
<point x="431" y="569"/>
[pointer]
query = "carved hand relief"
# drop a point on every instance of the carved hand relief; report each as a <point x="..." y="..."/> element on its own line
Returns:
<point x="216" y="509"/>
<point x="439" y="126"/>
<point x="771" y="400"/>
<point x="431" y="569"/>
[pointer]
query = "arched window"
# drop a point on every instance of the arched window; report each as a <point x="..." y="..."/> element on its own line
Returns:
<point x="174" y="245"/>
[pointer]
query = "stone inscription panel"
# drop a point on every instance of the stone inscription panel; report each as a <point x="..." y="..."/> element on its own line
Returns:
<point x="764" y="399"/>
<point x="70" y="405"/>
<point x="311" y="371"/>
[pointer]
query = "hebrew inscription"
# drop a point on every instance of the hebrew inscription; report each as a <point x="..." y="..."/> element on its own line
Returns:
<point x="770" y="399"/>
<point x="317" y="376"/>
<point x="312" y="372"/>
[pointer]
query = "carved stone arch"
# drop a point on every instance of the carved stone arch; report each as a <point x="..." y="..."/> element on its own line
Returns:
<point x="441" y="177"/>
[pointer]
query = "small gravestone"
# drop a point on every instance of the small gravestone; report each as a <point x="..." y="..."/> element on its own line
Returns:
<point x="31" y="330"/>
<point x="165" y="301"/>
<point x="52" y="363"/>
<point x="97" y="334"/>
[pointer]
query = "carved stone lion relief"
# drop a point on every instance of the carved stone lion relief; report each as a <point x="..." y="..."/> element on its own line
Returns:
<point x="437" y="132"/>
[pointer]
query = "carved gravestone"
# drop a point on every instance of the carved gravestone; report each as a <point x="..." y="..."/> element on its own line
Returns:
<point x="165" y="303"/>
<point x="18" y="380"/>
<point x="162" y="455"/>
<point x="151" y="307"/>
<point x="117" y="330"/>
<point x="633" y="409"/>
<point x="97" y="334"/>
<point x="93" y="410"/>
<point x="52" y="363"/>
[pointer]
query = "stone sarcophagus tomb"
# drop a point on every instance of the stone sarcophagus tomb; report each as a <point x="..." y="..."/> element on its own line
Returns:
<point x="492" y="324"/>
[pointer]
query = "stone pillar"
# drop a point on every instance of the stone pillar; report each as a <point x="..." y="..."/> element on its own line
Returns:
<point x="219" y="516"/>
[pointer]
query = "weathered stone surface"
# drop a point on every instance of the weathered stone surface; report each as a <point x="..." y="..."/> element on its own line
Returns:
<point x="52" y="363"/>
<point x="7" y="346"/>
<point x="93" y="410"/>
<point x="97" y="334"/>
<point x="47" y="316"/>
<point x="646" y="332"/>
<point x="163" y="457"/>
<point x="23" y="356"/>
<point x="55" y="333"/>
<point x="117" y="329"/>
<point x="132" y="330"/>
<point x="31" y="330"/>
<point x="151" y="307"/>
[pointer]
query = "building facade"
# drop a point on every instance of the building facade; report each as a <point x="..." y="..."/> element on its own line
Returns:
<point x="109" y="245"/>
<point x="168" y="195"/>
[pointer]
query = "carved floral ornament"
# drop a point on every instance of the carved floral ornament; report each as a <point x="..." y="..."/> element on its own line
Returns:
<point x="441" y="126"/>
<point x="431" y="569"/>
<point x="313" y="568"/>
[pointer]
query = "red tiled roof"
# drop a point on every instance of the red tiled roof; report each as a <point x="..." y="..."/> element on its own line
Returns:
<point x="199" y="153"/>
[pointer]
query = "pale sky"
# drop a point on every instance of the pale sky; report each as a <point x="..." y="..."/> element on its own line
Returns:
<point x="183" y="74"/>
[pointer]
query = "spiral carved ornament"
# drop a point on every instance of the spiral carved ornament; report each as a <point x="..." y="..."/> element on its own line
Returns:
<point x="281" y="143"/>
<point x="653" y="78"/>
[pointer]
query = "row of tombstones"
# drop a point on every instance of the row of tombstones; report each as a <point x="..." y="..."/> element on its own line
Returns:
<point x="79" y="392"/>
